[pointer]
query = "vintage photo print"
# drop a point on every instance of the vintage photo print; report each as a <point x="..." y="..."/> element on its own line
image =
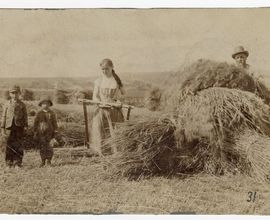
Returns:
<point x="135" y="111"/>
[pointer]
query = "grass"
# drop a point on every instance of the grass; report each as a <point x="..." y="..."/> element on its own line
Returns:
<point x="79" y="186"/>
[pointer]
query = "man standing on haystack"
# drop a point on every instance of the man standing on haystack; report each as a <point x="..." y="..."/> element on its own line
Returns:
<point x="14" y="123"/>
<point x="240" y="56"/>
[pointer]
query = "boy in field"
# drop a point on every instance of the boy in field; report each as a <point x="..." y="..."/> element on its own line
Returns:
<point x="14" y="123"/>
<point x="45" y="127"/>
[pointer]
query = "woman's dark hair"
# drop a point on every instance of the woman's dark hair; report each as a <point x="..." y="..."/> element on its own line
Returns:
<point x="115" y="76"/>
<point x="117" y="79"/>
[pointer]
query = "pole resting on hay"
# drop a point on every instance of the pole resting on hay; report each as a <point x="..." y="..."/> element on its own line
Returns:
<point x="86" y="125"/>
<point x="86" y="102"/>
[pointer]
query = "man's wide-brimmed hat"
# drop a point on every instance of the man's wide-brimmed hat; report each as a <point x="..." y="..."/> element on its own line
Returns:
<point x="239" y="50"/>
<point x="15" y="88"/>
<point x="46" y="99"/>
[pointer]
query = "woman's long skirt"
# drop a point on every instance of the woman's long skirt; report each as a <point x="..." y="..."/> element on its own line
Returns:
<point x="104" y="122"/>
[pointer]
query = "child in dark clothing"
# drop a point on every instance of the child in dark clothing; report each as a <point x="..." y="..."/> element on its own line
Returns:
<point x="45" y="127"/>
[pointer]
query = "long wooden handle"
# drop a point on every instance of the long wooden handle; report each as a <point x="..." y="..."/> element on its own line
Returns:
<point x="92" y="102"/>
<point x="86" y="125"/>
<point x="128" y="113"/>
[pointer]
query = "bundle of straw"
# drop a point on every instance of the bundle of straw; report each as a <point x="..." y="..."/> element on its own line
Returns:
<point x="205" y="74"/>
<point x="144" y="147"/>
<point x="61" y="97"/>
<point x="71" y="134"/>
<point x="152" y="99"/>
<point x="201" y="137"/>
<point x="223" y="110"/>
<point x="255" y="148"/>
<point x="212" y="118"/>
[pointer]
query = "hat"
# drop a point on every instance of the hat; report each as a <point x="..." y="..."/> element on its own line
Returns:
<point x="238" y="50"/>
<point x="47" y="99"/>
<point x="15" y="88"/>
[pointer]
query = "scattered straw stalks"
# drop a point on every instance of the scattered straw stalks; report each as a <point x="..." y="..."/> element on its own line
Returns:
<point x="143" y="148"/>
<point x="200" y="137"/>
<point x="210" y="121"/>
<point x="255" y="149"/>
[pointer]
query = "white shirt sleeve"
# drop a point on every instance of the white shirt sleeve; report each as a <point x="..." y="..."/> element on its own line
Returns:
<point x="96" y="96"/>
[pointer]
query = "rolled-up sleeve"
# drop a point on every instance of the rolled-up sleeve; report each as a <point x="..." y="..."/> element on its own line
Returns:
<point x="96" y="96"/>
<point x="4" y="116"/>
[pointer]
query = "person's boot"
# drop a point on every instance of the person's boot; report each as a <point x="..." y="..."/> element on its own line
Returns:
<point x="9" y="163"/>
<point x="18" y="163"/>
<point x="49" y="162"/>
<point x="42" y="163"/>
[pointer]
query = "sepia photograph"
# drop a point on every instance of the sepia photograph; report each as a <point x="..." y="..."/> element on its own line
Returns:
<point x="135" y="111"/>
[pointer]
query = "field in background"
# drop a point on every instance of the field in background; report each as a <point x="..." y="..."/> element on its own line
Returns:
<point x="135" y="87"/>
<point x="80" y="185"/>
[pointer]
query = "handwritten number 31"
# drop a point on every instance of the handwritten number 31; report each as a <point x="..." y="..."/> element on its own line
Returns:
<point x="251" y="196"/>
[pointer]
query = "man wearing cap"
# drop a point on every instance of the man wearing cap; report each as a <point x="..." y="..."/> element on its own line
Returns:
<point x="240" y="56"/>
<point x="14" y="122"/>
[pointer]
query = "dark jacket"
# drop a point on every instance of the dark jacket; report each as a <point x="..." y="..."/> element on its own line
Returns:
<point x="45" y="122"/>
<point x="14" y="111"/>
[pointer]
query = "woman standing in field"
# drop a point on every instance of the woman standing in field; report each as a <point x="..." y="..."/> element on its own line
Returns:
<point x="107" y="89"/>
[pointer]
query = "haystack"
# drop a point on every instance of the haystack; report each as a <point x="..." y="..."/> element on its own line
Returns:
<point x="80" y="94"/>
<point x="61" y="97"/>
<point x="255" y="148"/>
<point x="143" y="147"/>
<point x="211" y="120"/>
<point x="27" y="95"/>
<point x="200" y="137"/>
<point x="205" y="74"/>
<point x="152" y="99"/>
<point x="71" y="134"/>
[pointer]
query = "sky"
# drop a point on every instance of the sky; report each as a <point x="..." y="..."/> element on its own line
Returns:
<point x="65" y="43"/>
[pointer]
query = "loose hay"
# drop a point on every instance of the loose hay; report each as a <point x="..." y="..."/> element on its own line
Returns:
<point x="212" y="119"/>
<point x="61" y="97"/>
<point x="71" y="134"/>
<point x="143" y="148"/>
<point x="200" y="138"/>
<point x="255" y="149"/>
<point x="205" y="74"/>
<point x="152" y="99"/>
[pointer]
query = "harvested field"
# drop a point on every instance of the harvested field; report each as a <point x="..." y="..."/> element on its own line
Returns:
<point x="79" y="186"/>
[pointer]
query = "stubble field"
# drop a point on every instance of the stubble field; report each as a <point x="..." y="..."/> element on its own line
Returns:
<point x="81" y="186"/>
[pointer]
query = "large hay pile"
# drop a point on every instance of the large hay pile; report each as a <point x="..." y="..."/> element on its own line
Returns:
<point x="141" y="147"/>
<point x="69" y="135"/>
<point x="152" y="99"/>
<point x="61" y="97"/>
<point x="205" y="74"/>
<point x="202" y="138"/>
<point x="254" y="147"/>
<point x="80" y="94"/>
<point x="210" y="121"/>
<point x="204" y="129"/>
<point x="27" y="95"/>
